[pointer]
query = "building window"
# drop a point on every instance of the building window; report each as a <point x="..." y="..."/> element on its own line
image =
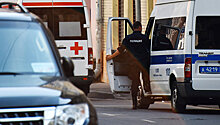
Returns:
<point x="134" y="12"/>
<point x="121" y="23"/>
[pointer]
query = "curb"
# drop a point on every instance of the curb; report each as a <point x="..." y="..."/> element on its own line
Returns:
<point x="101" y="95"/>
<point x="103" y="91"/>
<point x="106" y="95"/>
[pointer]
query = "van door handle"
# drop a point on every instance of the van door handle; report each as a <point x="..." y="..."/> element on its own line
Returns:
<point x="61" y="47"/>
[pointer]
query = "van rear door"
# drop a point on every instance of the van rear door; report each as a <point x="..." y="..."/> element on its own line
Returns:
<point x="206" y="46"/>
<point x="118" y="28"/>
<point x="71" y="36"/>
<point x="67" y="22"/>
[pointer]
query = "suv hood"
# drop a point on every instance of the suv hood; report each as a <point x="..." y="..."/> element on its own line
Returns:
<point x="52" y="94"/>
<point x="29" y="96"/>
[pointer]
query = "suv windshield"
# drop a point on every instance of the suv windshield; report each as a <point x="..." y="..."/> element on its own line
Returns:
<point x="207" y="32"/>
<point x="25" y="50"/>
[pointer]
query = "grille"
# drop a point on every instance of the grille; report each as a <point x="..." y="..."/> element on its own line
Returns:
<point x="24" y="123"/>
<point x="22" y="118"/>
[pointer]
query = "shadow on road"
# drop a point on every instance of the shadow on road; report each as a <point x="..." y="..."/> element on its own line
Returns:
<point x="160" y="109"/>
<point x="190" y="111"/>
<point x="202" y="111"/>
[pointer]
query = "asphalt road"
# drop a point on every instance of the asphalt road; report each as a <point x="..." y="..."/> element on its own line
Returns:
<point x="116" y="110"/>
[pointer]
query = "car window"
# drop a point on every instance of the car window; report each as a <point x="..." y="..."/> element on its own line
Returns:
<point x="207" y="32"/>
<point x="25" y="49"/>
<point x="169" y="34"/>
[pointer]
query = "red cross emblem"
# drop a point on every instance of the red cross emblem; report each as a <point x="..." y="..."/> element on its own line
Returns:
<point x="76" y="48"/>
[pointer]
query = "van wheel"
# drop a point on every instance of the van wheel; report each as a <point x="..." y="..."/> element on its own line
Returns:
<point x="143" y="102"/>
<point x="177" y="102"/>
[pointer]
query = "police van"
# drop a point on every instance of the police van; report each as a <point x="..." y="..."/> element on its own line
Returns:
<point x="69" y="22"/>
<point x="185" y="55"/>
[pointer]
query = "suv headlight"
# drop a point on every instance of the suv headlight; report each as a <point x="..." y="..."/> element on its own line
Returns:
<point x="77" y="114"/>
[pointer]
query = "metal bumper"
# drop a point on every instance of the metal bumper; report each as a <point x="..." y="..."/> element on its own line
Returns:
<point x="192" y="96"/>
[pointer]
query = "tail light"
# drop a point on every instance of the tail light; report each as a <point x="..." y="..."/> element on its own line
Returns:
<point x="188" y="68"/>
<point x="90" y="57"/>
<point x="5" y="6"/>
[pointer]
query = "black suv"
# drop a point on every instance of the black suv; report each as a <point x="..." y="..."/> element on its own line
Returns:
<point x="34" y="85"/>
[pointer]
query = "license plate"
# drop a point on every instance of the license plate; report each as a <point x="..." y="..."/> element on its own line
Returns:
<point x="209" y="69"/>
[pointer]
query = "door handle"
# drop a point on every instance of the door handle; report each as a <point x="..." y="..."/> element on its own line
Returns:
<point x="61" y="47"/>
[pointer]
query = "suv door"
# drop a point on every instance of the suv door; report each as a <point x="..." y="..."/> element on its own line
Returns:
<point x="118" y="67"/>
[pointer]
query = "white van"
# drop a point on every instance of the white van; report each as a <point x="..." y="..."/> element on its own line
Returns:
<point x="185" y="54"/>
<point x="69" y="22"/>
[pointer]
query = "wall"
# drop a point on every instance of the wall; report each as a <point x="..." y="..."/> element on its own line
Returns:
<point x="107" y="7"/>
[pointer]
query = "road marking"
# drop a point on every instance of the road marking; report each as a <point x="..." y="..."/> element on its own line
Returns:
<point x="112" y="115"/>
<point x="145" y="120"/>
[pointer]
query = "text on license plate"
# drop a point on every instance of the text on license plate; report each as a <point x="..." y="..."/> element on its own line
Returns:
<point x="209" y="69"/>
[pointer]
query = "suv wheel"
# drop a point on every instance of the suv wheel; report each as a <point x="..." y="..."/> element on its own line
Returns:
<point x="177" y="102"/>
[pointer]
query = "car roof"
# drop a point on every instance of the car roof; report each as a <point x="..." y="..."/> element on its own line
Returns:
<point x="7" y="14"/>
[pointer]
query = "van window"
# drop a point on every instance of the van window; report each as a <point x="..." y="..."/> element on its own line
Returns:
<point x="169" y="34"/>
<point x="66" y="23"/>
<point x="207" y="32"/>
<point x="149" y="28"/>
<point x="124" y="30"/>
<point x="121" y="28"/>
<point x="45" y="14"/>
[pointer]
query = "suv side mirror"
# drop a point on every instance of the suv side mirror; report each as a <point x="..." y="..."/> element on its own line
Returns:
<point x="68" y="66"/>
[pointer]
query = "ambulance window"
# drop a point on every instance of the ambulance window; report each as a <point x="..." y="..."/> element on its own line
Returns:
<point x="45" y="14"/>
<point x="169" y="34"/>
<point x="68" y="23"/>
<point x="207" y="32"/>
<point x="69" y="29"/>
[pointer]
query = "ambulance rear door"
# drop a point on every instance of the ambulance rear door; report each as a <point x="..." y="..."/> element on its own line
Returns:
<point x="71" y="34"/>
<point x="118" y="68"/>
<point x="68" y="22"/>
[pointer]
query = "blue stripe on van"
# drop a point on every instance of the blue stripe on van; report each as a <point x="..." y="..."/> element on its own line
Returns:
<point x="195" y="57"/>
<point x="167" y="59"/>
<point x="179" y="59"/>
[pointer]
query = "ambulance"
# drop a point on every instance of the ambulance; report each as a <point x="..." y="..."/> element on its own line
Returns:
<point x="69" y="22"/>
<point x="188" y="71"/>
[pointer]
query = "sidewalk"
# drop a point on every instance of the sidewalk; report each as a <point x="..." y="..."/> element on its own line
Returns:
<point x="100" y="90"/>
<point x="103" y="91"/>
